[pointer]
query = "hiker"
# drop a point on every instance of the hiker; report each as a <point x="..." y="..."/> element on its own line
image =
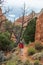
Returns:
<point x="21" y="46"/>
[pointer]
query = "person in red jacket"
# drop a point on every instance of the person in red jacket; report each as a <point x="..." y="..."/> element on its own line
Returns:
<point x="21" y="46"/>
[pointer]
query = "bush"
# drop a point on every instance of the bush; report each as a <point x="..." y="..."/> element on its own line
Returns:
<point x="38" y="56"/>
<point x="5" y="43"/>
<point x="31" y="51"/>
<point x="27" y="63"/>
<point x="38" y="46"/>
<point x="2" y="56"/>
<point x="36" y="62"/>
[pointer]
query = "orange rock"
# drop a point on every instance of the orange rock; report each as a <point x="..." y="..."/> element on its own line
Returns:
<point x="2" y="20"/>
<point x="39" y="28"/>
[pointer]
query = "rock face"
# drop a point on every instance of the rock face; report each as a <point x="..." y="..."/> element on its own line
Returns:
<point x="39" y="28"/>
<point x="2" y="20"/>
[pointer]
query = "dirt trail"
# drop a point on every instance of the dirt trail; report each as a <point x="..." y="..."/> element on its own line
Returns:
<point x="24" y="56"/>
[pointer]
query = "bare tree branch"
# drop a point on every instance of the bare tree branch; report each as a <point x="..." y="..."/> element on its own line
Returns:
<point x="20" y="34"/>
<point x="1" y="1"/>
<point x="5" y="12"/>
<point x="23" y="22"/>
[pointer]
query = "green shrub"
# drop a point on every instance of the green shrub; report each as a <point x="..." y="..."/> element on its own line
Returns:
<point x="38" y="56"/>
<point x="2" y="56"/>
<point x="27" y="63"/>
<point x="38" y="46"/>
<point x="5" y="43"/>
<point x="36" y="62"/>
<point x="31" y="51"/>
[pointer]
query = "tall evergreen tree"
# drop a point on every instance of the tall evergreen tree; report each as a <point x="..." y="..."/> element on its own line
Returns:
<point x="29" y="33"/>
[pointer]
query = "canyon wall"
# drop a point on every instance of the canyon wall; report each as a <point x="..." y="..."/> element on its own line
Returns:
<point x="39" y="28"/>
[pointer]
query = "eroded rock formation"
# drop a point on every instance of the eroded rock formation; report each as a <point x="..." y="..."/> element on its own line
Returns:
<point x="39" y="28"/>
<point x="2" y="20"/>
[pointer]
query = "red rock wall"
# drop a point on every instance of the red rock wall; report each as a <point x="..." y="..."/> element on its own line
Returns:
<point x="39" y="28"/>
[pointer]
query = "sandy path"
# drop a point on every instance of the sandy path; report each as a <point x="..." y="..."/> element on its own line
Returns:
<point x="23" y="57"/>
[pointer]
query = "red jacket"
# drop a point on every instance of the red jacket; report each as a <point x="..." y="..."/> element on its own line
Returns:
<point x="21" y="45"/>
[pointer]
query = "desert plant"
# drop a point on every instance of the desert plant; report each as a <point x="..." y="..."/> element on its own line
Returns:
<point x="27" y="63"/>
<point x="38" y="46"/>
<point x="5" y="43"/>
<point x="2" y="56"/>
<point x="38" y="56"/>
<point x="31" y="51"/>
<point x="36" y="62"/>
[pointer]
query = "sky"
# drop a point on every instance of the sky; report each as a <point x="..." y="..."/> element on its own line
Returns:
<point x="16" y="6"/>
